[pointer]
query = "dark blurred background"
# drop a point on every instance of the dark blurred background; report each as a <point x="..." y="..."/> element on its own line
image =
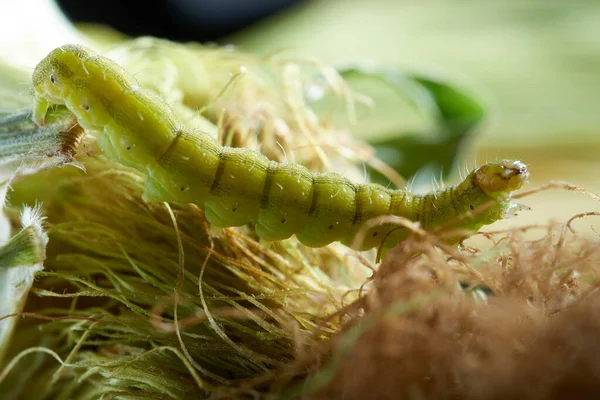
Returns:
<point x="182" y="20"/>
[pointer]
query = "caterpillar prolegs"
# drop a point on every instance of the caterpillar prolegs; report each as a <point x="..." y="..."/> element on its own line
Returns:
<point x="239" y="186"/>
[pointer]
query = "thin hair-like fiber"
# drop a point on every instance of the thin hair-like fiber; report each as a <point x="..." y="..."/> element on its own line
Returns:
<point x="535" y="337"/>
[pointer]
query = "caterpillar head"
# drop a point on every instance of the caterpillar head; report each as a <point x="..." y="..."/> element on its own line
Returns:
<point x="494" y="182"/>
<point x="499" y="180"/>
<point x="53" y="76"/>
<point x="484" y="197"/>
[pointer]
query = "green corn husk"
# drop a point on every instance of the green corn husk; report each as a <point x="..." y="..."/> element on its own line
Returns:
<point x="20" y="258"/>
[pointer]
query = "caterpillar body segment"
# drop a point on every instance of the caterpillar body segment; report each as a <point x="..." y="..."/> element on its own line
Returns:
<point x="239" y="186"/>
<point x="236" y="191"/>
<point x="370" y="201"/>
<point x="331" y="211"/>
<point x="183" y="173"/>
<point x="286" y="201"/>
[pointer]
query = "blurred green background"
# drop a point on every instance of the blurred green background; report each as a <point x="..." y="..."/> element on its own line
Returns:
<point x="536" y="63"/>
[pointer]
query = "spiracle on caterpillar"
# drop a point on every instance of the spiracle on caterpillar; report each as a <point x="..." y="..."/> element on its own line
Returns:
<point x="237" y="186"/>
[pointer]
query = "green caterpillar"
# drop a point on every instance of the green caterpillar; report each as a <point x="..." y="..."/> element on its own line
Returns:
<point x="238" y="186"/>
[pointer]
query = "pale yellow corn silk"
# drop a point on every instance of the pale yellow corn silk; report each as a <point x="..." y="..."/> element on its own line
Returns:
<point x="258" y="102"/>
<point x="118" y="256"/>
<point x="112" y="267"/>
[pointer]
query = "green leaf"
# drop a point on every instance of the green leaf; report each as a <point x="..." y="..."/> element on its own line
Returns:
<point x="455" y="111"/>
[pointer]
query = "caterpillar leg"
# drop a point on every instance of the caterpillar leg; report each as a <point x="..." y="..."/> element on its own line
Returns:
<point x="40" y="109"/>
